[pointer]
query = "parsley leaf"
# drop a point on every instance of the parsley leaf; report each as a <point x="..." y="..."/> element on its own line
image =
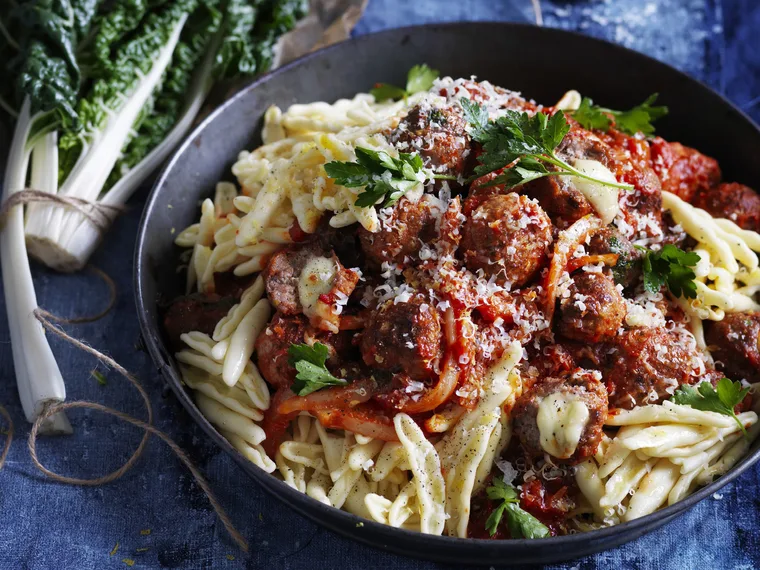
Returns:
<point x="707" y="399"/>
<point x="520" y="522"/>
<point x="672" y="266"/>
<point x="312" y="375"/>
<point x="636" y="120"/>
<point x="420" y="78"/>
<point x="383" y="177"/>
<point x="524" y="143"/>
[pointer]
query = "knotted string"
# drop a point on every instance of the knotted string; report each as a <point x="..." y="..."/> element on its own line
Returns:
<point x="99" y="214"/>
<point x="45" y="318"/>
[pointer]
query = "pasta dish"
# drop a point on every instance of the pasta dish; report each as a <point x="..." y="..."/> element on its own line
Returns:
<point x="450" y="309"/>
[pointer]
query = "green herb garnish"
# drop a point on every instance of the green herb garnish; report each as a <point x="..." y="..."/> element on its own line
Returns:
<point x="672" y="266"/>
<point x="636" y="120"/>
<point x="524" y="142"/>
<point x="382" y="176"/>
<point x="99" y="377"/>
<point x="521" y="523"/>
<point x="420" y="78"/>
<point x="312" y="374"/>
<point x="706" y="398"/>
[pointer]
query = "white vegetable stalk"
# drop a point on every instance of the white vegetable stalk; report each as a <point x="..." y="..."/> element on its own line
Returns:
<point x="37" y="375"/>
<point x="64" y="238"/>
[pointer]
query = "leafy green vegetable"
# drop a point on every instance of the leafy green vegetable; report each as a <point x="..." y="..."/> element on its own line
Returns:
<point x="526" y="144"/>
<point x="520" y="522"/>
<point x="277" y="18"/>
<point x="419" y="78"/>
<point x="237" y="54"/>
<point x="636" y="120"/>
<point x="312" y="375"/>
<point x="672" y="266"/>
<point x="383" y="177"/>
<point x="168" y="103"/>
<point x="723" y="401"/>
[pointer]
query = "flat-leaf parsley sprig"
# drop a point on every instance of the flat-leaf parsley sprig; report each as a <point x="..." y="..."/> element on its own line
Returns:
<point x="673" y="267"/>
<point x="420" y="78"/>
<point x="521" y="523"/>
<point x="636" y="120"/>
<point x="383" y="177"/>
<point x="312" y="375"/>
<point x="524" y="143"/>
<point x="707" y="399"/>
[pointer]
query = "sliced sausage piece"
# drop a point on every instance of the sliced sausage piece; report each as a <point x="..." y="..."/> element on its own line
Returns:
<point x="736" y="202"/>
<point x="404" y="337"/>
<point x="735" y="345"/>
<point x="506" y="237"/>
<point x="438" y="134"/>
<point x="402" y="233"/>
<point x="682" y="170"/>
<point x="195" y="312"/>
<point x="646" y="365"/>
<point x="562" y="416"/>
<point x="594" y="310"/>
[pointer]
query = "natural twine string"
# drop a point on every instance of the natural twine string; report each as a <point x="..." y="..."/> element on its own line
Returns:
<point x="99" y="214"/>
<point x="45" y="318"/>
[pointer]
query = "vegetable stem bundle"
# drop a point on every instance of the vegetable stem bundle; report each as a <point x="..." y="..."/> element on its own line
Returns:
<point x="101" y="92"/>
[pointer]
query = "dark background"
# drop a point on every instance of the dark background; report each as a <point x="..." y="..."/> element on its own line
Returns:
<point x="49" y="525"/>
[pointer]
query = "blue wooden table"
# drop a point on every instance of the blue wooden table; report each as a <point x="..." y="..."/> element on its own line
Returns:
<point x="159" y="518"/>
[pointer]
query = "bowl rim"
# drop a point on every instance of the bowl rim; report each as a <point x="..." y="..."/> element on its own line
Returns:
<point x="291" y="497"/>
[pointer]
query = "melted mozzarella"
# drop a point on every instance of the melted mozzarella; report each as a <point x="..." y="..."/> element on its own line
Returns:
<point x="603" y="198"/>
<point x="562" y="417"/>
<point x="316" y="279"/>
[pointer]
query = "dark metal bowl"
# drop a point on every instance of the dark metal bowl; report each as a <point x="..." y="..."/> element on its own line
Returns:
<point x="542" y="63"/>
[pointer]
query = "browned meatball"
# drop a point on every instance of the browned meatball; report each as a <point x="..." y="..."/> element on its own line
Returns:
<point x="736" y="202"/>
<point x="439" y="135"/>
<point x="282" y="275"/>
<point x="194" y="313"/>
<point x="646" y="365"/>
<point x="274" y="341"/>
<point x="507" y="237"/>
<point x="404" y="337"/>
<point x="683" y="170"/>
<point x="735" y="344"/>
<point x="401" y="234"/>
<point x="558" y="195"/>
<point x="581" y="385"/>
<point x="607" y="240"/>
<point x="595" y="309"/>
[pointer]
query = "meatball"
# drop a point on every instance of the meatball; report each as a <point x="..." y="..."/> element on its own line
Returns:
<point x="736" y="202"/>
<point x="735" y="344"/>
<point x="562" y="416"/>
<point x="274" y="341"/>
<point x="439" y="135"/>
<point x="683" y="170"/>
<point x="627" y="270"/>
<point x="595" y="309"/>
<point x="646" y="365"/>
<point x="404" y="337"/>
<point x="506" y="237"/>
<point x="402" y="233"/>
<point x="558" y="195"/>
<point x="285" y="284"/>
<point x="281" y="276"/>
<point x="194" y="313"/>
